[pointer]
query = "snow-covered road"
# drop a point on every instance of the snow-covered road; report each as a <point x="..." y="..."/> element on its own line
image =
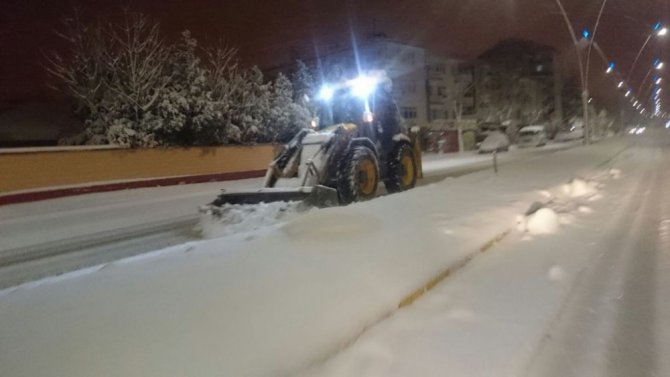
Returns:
<point x="54" y="236"/>
<point x="319" y="294"/>
<point x="590" y="300"/>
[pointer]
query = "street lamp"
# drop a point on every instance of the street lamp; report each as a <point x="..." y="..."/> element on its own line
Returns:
<point x="658" y="65"/>
<point x="659" y="30"/>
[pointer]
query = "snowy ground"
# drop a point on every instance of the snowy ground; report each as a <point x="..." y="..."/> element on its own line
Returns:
<point x="319" y="294"/>
<point x="26" y="224"/>
<point x="63" y="234"/>
<point x="588" y="299"/>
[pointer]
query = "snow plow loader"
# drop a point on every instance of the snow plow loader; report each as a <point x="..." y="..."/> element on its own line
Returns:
<point x="357" y="141"/>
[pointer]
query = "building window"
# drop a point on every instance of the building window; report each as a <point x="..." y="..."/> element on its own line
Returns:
<point x="408" y="112"/>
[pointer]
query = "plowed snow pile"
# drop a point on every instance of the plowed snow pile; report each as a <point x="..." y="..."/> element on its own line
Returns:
<point x="232" y="219"/>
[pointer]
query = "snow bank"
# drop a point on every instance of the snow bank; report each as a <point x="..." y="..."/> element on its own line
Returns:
<point x="232" y="219"/>
<point x="579" y="188"/>
<point x="287" y="297"/>
<point x="543" y="221"/>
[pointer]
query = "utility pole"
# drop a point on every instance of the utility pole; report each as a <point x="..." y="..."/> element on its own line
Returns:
<point x="583" y="68"/>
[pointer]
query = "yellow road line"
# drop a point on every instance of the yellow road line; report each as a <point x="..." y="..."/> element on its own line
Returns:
<point x="409" y="299"/>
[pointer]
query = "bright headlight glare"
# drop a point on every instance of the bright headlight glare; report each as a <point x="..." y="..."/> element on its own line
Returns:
<point x="368" y="117"/>
<point x="326" y="93"/>
<point x="363" y="86"/>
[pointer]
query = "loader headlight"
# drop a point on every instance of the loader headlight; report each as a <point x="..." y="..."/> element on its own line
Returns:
<point x="363" y="86"/>
<point x="326" y="93"/>
<point x="368" y="117"/>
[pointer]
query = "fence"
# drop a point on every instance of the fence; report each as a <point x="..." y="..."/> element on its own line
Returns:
<point x="46" y="168"/>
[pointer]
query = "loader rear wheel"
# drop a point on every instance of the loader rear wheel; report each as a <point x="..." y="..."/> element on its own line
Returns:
<point x="358" y="175"/>
<point x="401" y="169"/>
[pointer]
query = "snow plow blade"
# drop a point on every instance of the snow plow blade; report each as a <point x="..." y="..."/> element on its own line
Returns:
<point x="317" y="196"/>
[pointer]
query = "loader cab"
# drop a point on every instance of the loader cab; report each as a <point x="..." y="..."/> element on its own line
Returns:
<point x="341" y="108"/>
<point x="365" y="101"/>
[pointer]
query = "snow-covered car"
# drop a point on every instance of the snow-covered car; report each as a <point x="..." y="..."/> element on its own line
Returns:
<point x="532" y="136"/>
<point x="496" y="141"/>
<point x="575" y="133"/>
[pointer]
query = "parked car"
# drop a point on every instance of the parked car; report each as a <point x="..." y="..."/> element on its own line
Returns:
<point x="574" y="133"/>
<point x="484" y="129"/>
<point x="532" y="136"/>
<point x="496" y="141"/>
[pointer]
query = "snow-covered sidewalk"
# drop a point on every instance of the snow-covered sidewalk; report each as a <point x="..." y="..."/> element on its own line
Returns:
<point x="275" y="301"/>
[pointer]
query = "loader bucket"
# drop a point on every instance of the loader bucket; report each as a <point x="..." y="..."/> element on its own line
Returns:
<point x="317" y="196"/>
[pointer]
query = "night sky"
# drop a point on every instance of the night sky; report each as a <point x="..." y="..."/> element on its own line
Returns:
<point x="263" y="30"/>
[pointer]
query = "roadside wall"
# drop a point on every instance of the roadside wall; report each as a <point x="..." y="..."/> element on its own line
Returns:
<point x="42" y="168"/>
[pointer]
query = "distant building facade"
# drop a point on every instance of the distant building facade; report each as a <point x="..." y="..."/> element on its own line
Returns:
<point x="514" y="80"/>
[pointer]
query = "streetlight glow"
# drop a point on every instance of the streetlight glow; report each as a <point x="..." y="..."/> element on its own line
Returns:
<point x="620" y="84"/>
<point x="627" y="93"/>
<point x="658" y="81"/>
<point x="658" y="64"/>
<point x="662" y="32"/>
<point x="586" y="33"/>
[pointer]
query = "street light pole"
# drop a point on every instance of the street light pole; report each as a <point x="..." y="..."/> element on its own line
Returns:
<point x="583" y="70"/>
<point x="587" y="129"/>
<point x="585" y="94"/>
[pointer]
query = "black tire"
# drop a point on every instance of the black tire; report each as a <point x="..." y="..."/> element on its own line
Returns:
<point x="357" y="175"/>
<point x="401" y="173"/>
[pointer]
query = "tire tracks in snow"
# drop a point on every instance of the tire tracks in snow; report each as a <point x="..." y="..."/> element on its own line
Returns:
<point x="604" y="327"/>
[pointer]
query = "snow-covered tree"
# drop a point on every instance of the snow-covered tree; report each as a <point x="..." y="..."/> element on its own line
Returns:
<point x="456" y="94"/>
<point x="249" y="107"/>
<point x="186" y="107"/>
<point x="281" y="101"/>
<point x="138" y="63"/>
<point x="117" y="74"/>
<point x="82" y="74"/>
<point x="305" y="87"/>
<point x="224" y="81"/>
<point x="136" y="90"/>
<point x="287" y="117"/>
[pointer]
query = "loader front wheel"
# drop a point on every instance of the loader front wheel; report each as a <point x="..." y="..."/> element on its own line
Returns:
<point x="401" y="169"/>
<point x="358" y="175"/>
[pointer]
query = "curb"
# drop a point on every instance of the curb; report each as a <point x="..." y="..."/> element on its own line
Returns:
<point x="155" y="182"/>
<point x="409" y="299"/>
